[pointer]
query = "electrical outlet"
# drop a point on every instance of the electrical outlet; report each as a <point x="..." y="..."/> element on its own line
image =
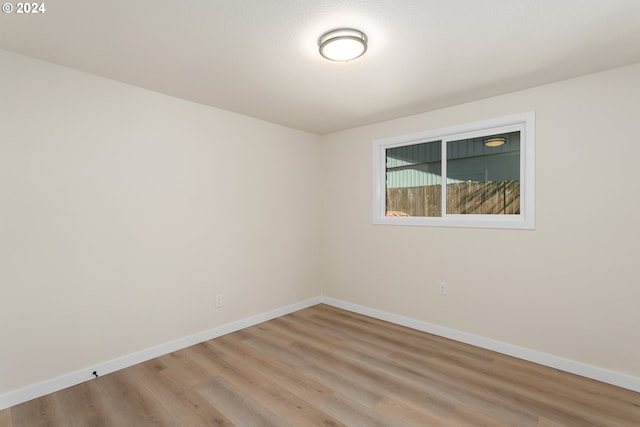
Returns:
<point x="219" y="301"/>
<point x="442" y="288"/>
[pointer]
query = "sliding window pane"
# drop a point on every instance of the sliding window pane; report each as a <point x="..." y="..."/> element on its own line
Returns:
<point x="483" y="175"/>
<point x="414" y="180"/>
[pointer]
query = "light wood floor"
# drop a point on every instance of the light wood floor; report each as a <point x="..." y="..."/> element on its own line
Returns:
<point x="326" y="366"/>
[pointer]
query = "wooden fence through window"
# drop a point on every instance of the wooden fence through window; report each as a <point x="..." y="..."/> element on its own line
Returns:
<point x="495" y="197"/>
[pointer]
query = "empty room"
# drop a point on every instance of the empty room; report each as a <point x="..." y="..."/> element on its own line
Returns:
<point x="332" y="212"/>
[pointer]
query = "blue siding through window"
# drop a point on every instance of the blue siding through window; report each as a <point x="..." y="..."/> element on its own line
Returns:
<point x="419" y="165"/>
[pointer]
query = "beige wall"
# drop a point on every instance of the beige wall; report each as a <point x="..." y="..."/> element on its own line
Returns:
<point x="123" y="212"/>
<point x="569" y="288"/>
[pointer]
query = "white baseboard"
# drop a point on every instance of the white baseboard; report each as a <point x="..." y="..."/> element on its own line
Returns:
<point x="34" y="391"/>
<point x="567" y="365"/>
<point x="68" y="380"/>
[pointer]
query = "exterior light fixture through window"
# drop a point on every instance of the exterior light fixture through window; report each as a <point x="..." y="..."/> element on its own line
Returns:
<point x="494" y="142"/>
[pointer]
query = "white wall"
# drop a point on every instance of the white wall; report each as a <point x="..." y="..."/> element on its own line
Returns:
<point x="570" y="288"/>
<point x="123" y="212"/>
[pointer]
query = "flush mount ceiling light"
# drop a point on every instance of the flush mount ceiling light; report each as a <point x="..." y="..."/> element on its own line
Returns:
<point x="343" y="44"/>
<point x="494" y="141"/>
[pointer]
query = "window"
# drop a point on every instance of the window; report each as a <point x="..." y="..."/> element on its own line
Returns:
<point x="474" y="175"/>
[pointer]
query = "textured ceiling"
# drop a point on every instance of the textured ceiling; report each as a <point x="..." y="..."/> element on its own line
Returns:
<point x="259" y="57"/>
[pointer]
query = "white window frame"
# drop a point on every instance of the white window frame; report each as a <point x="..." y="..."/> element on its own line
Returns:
<point x="524" y="122"/>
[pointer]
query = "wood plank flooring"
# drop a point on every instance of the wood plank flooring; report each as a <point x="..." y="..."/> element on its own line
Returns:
<point x="323" y="366"/>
